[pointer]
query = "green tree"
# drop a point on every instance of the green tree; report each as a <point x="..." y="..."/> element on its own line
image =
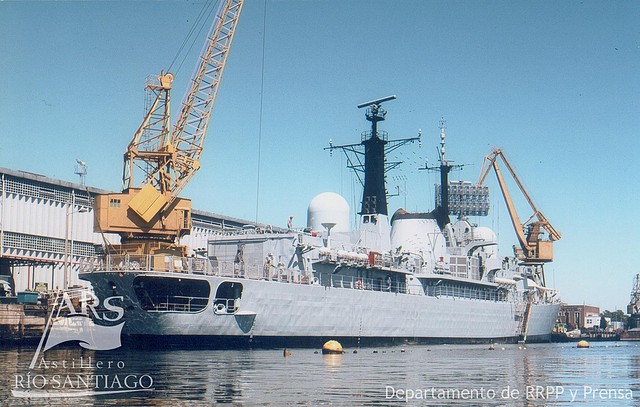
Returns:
<point x="603" y="322"/>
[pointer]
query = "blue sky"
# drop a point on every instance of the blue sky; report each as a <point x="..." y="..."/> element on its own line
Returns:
<point x="555" y="84"/>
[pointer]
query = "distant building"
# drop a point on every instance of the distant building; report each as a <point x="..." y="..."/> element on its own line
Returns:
<point x="579" y="316"/>
<point x="591" y="320"/>
<point x="614" y="325"/>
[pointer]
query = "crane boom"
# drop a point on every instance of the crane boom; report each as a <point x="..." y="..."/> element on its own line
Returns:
<point x="169" y="159"/>
<point x="534" y="249"/>
<point x="187" y="138"/>
<point x="513" y="214"/>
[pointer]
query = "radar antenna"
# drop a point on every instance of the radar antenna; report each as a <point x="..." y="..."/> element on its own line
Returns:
<point x="81" y="170"/>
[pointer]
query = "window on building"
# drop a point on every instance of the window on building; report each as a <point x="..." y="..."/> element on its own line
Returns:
<point x="185" y="219"/>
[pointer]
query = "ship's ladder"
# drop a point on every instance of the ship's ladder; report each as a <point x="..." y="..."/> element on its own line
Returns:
<point x="524" y="313"/>
<point x="520" y="309"/>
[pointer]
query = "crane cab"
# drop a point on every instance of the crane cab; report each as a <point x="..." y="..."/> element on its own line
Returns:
<point x="118" y="213"/>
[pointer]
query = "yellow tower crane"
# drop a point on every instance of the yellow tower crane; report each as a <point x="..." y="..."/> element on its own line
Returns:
<point x="149" y="215"/>
<point x="534" y="249"/>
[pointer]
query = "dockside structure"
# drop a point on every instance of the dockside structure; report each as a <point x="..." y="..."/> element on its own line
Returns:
<point x="46" y="230"/>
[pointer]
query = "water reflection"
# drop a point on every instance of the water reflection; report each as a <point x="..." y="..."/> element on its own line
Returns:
<point x="506" y="376"/>
<point x="332" y="361"/>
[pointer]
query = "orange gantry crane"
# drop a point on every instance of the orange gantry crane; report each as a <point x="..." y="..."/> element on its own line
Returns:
<point x="150" y="214"/>
<point x="534" y="249"/>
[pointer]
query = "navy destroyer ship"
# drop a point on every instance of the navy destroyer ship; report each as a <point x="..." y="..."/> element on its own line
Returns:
<point x="416" y="277"/>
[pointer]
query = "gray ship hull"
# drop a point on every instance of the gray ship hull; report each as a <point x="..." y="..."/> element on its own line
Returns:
<point x="275" y="313"/>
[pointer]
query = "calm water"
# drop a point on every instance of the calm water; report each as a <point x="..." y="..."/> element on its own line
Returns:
<point x="433" y="375"/>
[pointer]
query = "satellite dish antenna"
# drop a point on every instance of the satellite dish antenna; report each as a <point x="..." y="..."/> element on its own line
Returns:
<point x="328" y="226"/>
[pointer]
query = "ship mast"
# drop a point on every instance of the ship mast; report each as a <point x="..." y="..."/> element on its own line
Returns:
<point x="442" y="207"/>
<point x="374" y="196"/>
<point x="445" y="168"/>
<point x="368" y="158"/>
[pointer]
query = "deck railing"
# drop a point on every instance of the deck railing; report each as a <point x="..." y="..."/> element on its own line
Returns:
<point x="195" y="265"/>
<point x="204" y="266"/>
<point x="357" y="283"/>
<point x="176" y="303"/>
<point x="471" y="293"/>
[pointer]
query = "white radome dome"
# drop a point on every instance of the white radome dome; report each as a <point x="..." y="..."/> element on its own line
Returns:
<point x="484" y="233"/>
<point x="328" y="207"/>
<point x="487" y="235"/>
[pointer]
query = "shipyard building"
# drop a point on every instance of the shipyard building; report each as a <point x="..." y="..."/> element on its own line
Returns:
<point x="47" y="230"/>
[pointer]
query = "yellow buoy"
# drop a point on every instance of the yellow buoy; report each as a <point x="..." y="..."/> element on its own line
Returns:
<point x="583" y="344"/>
<point x="332" y="348"/>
